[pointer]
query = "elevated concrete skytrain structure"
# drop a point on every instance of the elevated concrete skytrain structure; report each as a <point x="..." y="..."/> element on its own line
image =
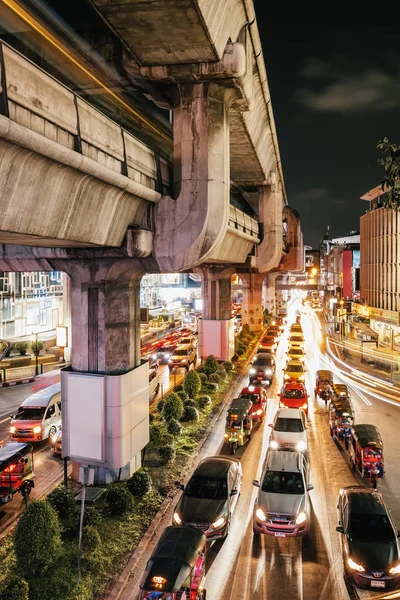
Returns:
<point x="81" y="194"/>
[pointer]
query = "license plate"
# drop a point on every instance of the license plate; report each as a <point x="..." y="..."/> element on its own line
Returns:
<point x="281" y="534"/>
<point x="377" y="584"/>
<point x="259" y="378"/>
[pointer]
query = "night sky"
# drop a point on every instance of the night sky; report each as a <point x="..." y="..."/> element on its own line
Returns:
<point x="335" y="89"/>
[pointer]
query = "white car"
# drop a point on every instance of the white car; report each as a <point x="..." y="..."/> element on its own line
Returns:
<point x="289" y="430"/>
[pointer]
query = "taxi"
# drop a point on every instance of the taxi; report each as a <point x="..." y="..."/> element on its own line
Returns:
<point x="294" y="370"/>
<point x="269" y="342"/>
<point x="296" y="353"/>
<point x="294" y="395"/>
<point x="258" y="396"/>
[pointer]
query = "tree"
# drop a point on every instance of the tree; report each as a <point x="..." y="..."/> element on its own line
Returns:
<point x="192" y="384"/>
<point x="390" y="161"/>
<point x="37" y="539"/>
<point x="211" y="365"/>
<point x="173" y="407"/>
<point x="63" y="501"/>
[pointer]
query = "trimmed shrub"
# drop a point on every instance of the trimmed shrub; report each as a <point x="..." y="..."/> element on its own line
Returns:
<point x="151" y="417"/>
<point x="213" y="387"/>
<point x="167" y="453"/>
<point x="228" y="366"/>
<point x="15" y="588"/>
<point x="160" y="405"/>
<point x="91" y="539"/>
<point x="235" y="357"/>
<point x="192" y="383"/>
<point x="203" y="377"/>
<point x="246" y="327"/>
<point x="221" y="373"/>
<point x="183" y="396"/>
<point x="204" y="401"/>
<point x="214" y="378"/>
<point x="22" y="347"/>
<point x="118" y="499"/>
<point x="36" y="347"/>
<point x="91" y="516"/>
<point x="174" y="427"/>
<point x="37" y="539"/>
<point x="190" y="402"/>
<point x="63" y="501"/>
<point x="173" y="407"/>
<point x="140" y="483"/>
<point x="190" y="414"/>
<point x="240" y="351"/>
<point x="211" y="365"/>
<point x="179" y="388"/>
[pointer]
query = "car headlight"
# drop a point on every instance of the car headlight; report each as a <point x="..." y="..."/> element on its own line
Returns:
<point x="286" y="376"/>
<point x="184" y="359"/>
<point x="301" y="446"/>
<point x="259" y="412"/>
<point x="353" y="565"/>
<point x="177" y="519"/>
<point x="268" y="371"/>
<point x="13" y="429"/>
<point x="395" y="570"/>
<point x="305" y="406"/>
<point x="274" y="445"/>
<point x="260" y="514"/>
<point x="219" y="523"/>
<point x="301" y="517"/>
<point x="37" y="429"/>
<point x="301" y="378"/>
<point x="252" y="371"/>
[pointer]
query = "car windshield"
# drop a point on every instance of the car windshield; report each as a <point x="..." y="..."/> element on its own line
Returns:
<point x="262" y="362"/>
<point x="166" y="349"/>
<point x="268" y="340"/>
<point x="289" y="425"/>
<point x="371" y="527"/>
<point x="186" y="341"/>
<point x="282" y="482"/>
<point x="295" y="368"/>
<point x="293" y="394"/>
<point x="30" y="413"/>
<point x="207" y="488"/>
<point x="180" y="352"/>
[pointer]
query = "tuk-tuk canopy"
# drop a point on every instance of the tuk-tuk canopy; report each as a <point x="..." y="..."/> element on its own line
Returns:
<point x="340" y="389"/>
<point x="240" y="407"/>
<point x="367" y="435"/>
<point x="344" y="409"/>
<point x="12" y="453"/>
<point x="323" y="376"/>
<point x="173" y="559"/>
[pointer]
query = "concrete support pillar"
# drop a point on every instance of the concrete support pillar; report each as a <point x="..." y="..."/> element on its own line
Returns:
<point x="252" y="309"/>
<point x="216" y="327"/>
<point x="268" y="292"/>
<point x="270" y="204"/>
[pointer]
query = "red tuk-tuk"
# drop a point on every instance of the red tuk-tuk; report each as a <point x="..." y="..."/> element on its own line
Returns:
<point x="323" y="384"/>
<point x="294" y="395"/>
<point x="366" y="452"/>
<point x="16" y="467"/>
<point x="177" y="567"/>
<point x="259" y="398"/>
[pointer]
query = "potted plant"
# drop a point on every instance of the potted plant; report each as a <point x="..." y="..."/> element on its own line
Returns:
<point x="22" y="347"/>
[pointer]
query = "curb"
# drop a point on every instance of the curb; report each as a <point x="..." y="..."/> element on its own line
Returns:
<point x="118" y="586"/>
<point x="16" y="382"/>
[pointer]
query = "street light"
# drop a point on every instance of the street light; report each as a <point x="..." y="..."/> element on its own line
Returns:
<point x="35" y="339"/>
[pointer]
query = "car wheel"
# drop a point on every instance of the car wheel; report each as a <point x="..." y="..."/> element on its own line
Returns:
<point x="53" y="431"/>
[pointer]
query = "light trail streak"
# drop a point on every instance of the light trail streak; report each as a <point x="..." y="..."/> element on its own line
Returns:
<point x="36" y="25"/>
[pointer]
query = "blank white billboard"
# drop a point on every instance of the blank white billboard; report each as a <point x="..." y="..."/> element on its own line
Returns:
<point x="86" y="413"/>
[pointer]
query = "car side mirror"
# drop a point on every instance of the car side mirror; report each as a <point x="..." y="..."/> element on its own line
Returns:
<point x="340" y="529"/>
<point x="310" y="487"/>
<point x="256" y="483"/>
<point x="233" y="492"/>
<point x="270" y="425"/>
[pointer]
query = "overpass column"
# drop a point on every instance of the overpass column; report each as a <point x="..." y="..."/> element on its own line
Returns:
<point x="252" y="311"/>
<point x="106" y="376"/>
<point x="216" y="327"/>
<point x="268" y="292"/>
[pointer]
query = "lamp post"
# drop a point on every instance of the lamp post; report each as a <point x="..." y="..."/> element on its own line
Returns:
<point x="36" y="339"/>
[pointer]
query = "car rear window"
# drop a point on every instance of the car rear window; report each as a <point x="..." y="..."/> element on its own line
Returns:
<point x="282" y="482"/>
<point x="295" y="368"/>
<point x="289" y="425"/>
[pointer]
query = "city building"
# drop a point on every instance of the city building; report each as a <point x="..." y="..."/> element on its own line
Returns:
<point x="379" y="267"/>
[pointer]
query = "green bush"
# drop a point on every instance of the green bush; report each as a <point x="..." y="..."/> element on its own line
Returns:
<point x="228" y="366"/>
<point x="190" y="414"/>
<point x="214" y="378"/>
<point x="235" y="357"/>
<point x="118" y="499"/>
<point x="240" y="351"/>
<point x="222" y="374"/>
<point x="190" y="402"/>
<point x="173" y="407"/>
<point x="204" y="401"/>
<point x="174" y="427"/>
<point x="63" y="501"/>
<point x="192" y="383"/>
<point x="159" y="434"/>
<point x="36" y="347"/>
<point x="246" y="328"/>
<point x="210" y="386"/>
<point x="22" y="347"/>
<point x="203" y="377"/>
<point x="211" y="365"/>
<point x="160" y="405"/>
<point x="179" y="388"/>
<point x="37" y="539"/>
<point x="15" y="588"/>
<point x="167" y="453"/>
<point x="140" y="483"/>
<point x="91" y="539"/>
<point x="91" y="516"/>
<point x="183" y="396"/>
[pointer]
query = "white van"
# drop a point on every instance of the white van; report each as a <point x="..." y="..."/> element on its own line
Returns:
<point x="38" y="417"/>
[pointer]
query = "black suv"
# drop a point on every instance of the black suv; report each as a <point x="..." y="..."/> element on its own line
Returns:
<point x="262" y="369"/>
<point x="369" y="540"/>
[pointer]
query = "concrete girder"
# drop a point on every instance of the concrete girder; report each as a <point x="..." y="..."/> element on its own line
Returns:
<point x="269" y="252"/>
<point x="293" y="260"/>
